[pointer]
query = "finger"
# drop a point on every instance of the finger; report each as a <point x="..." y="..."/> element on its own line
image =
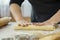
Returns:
<point x="20" y="24"/>
<point x="25" y="25"/>
<point x="34" y="23"/>
<point x="38" y="24"/>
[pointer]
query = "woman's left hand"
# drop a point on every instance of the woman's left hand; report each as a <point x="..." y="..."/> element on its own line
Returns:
<point x="45" y="23"/>
<point x="48" y="22"/>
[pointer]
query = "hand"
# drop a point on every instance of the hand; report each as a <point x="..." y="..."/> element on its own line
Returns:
<point x="48" y="22"/>
<point x="38" y="24"/>
<point x="23" y="23"/>
<point x="45" y="23"/>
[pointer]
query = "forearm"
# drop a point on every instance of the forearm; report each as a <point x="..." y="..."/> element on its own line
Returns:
<point x="16" y="12"/>
<point x="56" y="17"/>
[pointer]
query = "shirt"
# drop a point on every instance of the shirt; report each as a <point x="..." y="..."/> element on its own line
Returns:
<point x="42" y="9"/>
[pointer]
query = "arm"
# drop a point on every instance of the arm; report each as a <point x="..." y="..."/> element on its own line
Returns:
<point x="53" y="20"/>
<point x="16" y="12"/>
<point x="56" y="17"/>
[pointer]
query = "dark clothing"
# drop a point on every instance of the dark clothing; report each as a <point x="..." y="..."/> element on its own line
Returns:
<point x="42" y="9"/>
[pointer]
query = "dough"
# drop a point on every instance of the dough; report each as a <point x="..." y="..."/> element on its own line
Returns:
<point x="37" y="36"/>
<point x="34" y="27"/>
<point x="22" y="37"/>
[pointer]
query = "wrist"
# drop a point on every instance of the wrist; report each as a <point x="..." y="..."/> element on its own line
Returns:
<point x="20" y="21"/>
<point x="52" y="21"/>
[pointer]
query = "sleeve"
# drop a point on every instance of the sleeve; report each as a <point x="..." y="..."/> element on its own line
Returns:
<point x="19" y="2"/>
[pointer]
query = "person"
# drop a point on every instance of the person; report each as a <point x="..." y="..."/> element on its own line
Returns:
<point x="46" y="12"/>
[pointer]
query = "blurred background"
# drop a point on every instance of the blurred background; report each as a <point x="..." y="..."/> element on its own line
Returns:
<point x="4" y="8"/>
<point x="5" y="11"/>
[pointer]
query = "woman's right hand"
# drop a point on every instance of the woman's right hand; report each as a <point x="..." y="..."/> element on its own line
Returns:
<point x="23" y="23"/>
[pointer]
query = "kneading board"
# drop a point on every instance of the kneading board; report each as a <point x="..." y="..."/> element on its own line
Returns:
<point x="34" y="27"/>
<point x="52" y="37"/>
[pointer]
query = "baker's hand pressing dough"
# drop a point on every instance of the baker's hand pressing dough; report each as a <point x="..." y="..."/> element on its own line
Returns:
<point x="23" y="23"/>
<point x="4" y="21"/>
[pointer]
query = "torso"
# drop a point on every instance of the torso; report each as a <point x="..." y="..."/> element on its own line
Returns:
<point x="44" y="9"/>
